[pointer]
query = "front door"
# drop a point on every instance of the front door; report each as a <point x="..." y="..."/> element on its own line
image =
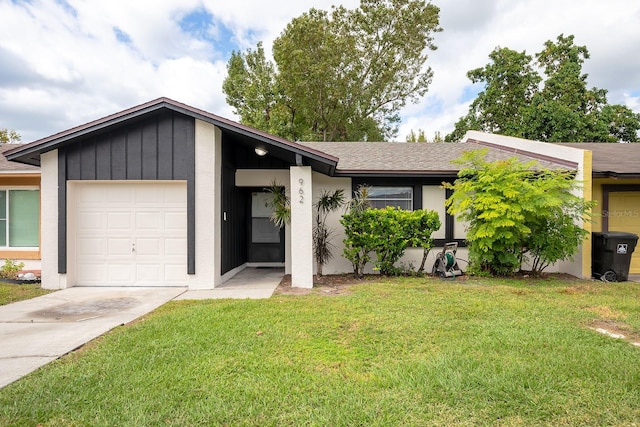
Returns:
<point x="266" y="240"/>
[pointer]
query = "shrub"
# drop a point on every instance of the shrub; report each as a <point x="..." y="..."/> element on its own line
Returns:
<point x="386" y="232"/>
<point x="10" y="269"/>
<point x="514" y="208"/>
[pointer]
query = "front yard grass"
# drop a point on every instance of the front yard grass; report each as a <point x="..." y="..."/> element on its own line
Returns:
<point x="10" y="292"/>
<point x="388" y="353"/>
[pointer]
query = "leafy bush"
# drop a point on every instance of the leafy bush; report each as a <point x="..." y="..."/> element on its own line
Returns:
<point x="386" y="232"/>
<point x="10" y="269"/>
<point x="516" y="208"/>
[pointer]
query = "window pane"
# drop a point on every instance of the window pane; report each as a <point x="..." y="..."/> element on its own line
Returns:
<point x="263" y="230"/>
<point x="3" y="204"/>
<point x="399" y="197"/>
<point x="391" y="193"/>
<point x="3" y="218"/>
<point x="3" y="232"/>
<point x="24" y="218"/>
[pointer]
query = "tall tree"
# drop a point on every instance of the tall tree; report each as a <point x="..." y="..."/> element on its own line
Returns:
<point x="510" y="83"/>
<point x="562" y="109"/>
<point x="9" y="136"/>
<point x="338" y="75"/>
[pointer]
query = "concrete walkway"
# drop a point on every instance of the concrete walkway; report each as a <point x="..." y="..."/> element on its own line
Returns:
<point x="251" y="283"/>
<point x="37" y="331"/>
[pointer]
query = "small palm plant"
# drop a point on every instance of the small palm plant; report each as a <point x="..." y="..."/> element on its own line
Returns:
<point x="322" y="247"/>
<point x="280" y="204"/>
<point x="327" y="202"/>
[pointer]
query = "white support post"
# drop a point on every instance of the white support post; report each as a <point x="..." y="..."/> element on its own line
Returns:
<point x="301" y="227"/>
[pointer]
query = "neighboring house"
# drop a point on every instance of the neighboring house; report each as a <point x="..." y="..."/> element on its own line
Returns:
<point x="166" y="194"/>
<point x="19" y="211"/>
<point x="616" y="189"/>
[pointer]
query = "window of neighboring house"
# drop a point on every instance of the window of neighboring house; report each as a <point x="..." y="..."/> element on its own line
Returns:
<point x="20" y="218"/>
<point x="399" y="197"/>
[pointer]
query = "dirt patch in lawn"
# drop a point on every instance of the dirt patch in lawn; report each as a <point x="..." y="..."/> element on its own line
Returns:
<point x="616" y="329"/>
<point x="330" y="285"/>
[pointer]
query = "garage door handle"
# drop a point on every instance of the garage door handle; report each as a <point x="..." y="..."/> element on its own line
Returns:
<point x="133" y="247"/>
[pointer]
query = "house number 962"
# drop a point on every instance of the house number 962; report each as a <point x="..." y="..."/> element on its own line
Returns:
<point x="301" y="191"/>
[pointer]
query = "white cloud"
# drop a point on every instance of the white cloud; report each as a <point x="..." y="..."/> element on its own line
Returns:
<point x="67" y="65"/>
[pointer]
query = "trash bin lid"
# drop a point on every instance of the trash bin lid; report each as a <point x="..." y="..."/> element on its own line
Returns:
<point x="616" y="235"/>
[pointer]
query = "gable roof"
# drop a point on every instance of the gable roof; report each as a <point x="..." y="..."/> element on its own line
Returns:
<point x="413" y="159"/>
<point x="8" y="167"/>
<point x="611" y="159"/>
<point x="330" y="158"/>
<point x="30" y="153"/>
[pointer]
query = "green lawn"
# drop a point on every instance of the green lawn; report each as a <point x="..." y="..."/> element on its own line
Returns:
<point x="10" y="292"/>
<point x="396" y="353"/>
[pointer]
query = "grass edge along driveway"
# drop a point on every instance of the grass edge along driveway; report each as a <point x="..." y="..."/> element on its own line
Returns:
<point x="394" y="352"/>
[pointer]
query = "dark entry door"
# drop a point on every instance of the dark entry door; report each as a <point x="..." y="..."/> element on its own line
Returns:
<point x="266" y="240"/>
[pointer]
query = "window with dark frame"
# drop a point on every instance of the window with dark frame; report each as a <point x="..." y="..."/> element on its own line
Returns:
<point x="399" y="197"/>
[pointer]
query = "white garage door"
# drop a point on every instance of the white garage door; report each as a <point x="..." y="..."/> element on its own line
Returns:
<point x="130" y="234"/>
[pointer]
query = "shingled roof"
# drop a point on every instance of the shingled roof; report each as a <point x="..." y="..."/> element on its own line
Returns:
<point x="410" y="159"/>
<point x="611" y="159"/>
<point x="8" y="167"/>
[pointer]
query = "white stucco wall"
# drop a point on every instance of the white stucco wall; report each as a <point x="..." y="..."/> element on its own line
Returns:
<point x="338" y="264"/>
<point x="301" y="184"/>
<point x="207" y="190"/>
<point x="49" y="222"/>
<point x="433" y="198"/>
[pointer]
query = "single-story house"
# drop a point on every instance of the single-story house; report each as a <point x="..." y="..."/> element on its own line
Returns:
<point x="19" y="211"/>
<point x="167" y="194"/>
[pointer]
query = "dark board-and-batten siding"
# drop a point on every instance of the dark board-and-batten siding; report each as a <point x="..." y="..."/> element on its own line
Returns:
<point x="161" y="147"/>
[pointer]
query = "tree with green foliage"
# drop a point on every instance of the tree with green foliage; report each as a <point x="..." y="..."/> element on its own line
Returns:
<point x="514" y="209"/>
<point x="416" y="137"/>
<point x="421" y="137"/>
<point x="8" y="136"/>
<point x="513" y="101"/>
<point x="338" y="76"/>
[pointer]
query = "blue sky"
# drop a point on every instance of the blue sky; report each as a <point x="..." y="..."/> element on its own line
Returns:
<point x="66" y="62"/>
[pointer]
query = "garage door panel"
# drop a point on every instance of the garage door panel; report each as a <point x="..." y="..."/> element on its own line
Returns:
<point x="174" y="273"/>
<point x="175" y="247"/>
<point x="174" y="220"/>
<point x="117" y="194"/>
<point x="148" y="220"/>
<point x="119" y="221"/>
<point x="151" y="246"/>
<point x="91" y="246"/>
<point x="93" y="274"/>
<point x="120" y="274"/>
<point x="148" y="272"/>
<point x="119" y="247"/>
<point x="131" y="234"/>
<point x="88" y="220"/>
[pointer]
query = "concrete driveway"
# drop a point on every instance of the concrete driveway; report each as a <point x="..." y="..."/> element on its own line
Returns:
<point x="36" y="331"/>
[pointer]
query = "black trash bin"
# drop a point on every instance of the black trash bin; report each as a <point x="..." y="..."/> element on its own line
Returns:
<point x="611" y="255"/>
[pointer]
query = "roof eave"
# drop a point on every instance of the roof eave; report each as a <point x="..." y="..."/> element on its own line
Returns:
<point x="30" y="153"/>
<point x="615" y="175"/>
<point x="361" y="173"/>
